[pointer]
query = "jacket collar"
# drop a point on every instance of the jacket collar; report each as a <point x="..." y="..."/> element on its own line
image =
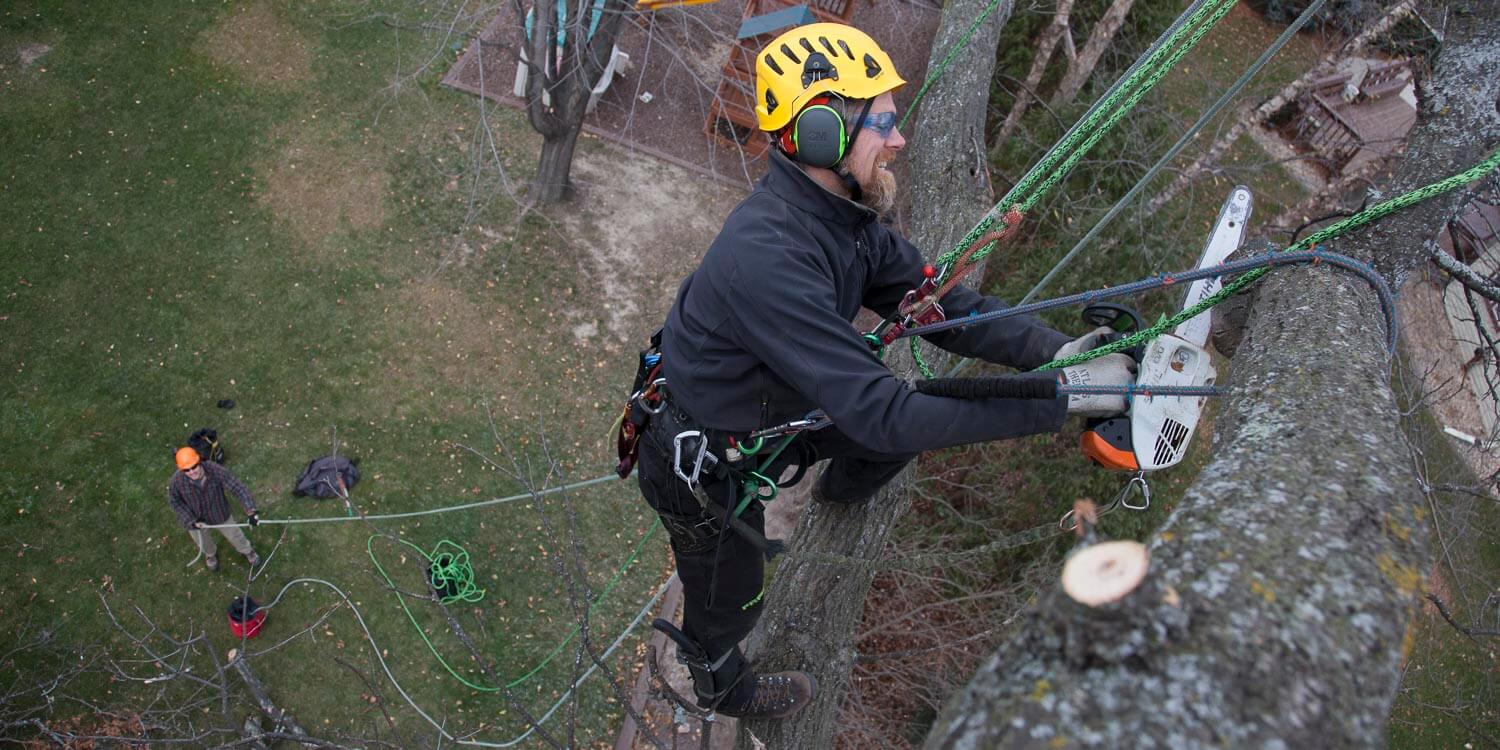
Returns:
<point x="787" y="180"/>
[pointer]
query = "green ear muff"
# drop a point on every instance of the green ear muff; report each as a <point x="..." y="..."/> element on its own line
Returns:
<point x="819" y="136"/>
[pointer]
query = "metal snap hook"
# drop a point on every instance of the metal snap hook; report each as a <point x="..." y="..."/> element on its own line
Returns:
<point x="700" y="455"/>
<point x="661" y="402"/>
<point x="1137" y="481"/>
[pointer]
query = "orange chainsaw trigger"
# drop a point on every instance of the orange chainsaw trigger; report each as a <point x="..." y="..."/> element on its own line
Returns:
<point x="1100" y="451"/>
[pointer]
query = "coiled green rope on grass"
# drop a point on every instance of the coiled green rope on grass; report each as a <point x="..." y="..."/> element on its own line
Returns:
<point x="609" y="587"/>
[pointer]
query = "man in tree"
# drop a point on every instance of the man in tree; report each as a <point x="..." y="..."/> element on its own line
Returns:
<point x="197" y="494"/>
<point x="761" y="334"/>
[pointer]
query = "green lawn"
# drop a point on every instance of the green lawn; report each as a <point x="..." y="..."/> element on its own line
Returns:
<point x="1448" y="688"/>
<point x="208" y="201"/>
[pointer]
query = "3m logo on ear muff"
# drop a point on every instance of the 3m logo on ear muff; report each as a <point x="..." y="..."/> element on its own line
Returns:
<point x="818" y="136"/>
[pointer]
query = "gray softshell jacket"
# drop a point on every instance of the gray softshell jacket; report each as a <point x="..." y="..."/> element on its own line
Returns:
<point x="761" y="332"/>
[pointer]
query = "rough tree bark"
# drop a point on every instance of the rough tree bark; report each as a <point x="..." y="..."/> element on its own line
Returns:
<point x="559" y="81"/>
<point x="1100" y="36"/>
<point x="813" y="608"/>
<point x="1286" y="578"/>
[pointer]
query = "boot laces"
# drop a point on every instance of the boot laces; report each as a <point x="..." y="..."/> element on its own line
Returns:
<point x="773" y="692"/>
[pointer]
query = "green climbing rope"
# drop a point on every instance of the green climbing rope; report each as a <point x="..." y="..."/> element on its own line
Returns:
<point x="1080" y="139"/>
<point x="369" y="547"/>
<point x="1367" y="216"/>
<point x="1064" y="155"/>
<point x="450" y="572"/>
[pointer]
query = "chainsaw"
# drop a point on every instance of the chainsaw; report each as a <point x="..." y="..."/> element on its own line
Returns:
<point x="1155" y="432"/>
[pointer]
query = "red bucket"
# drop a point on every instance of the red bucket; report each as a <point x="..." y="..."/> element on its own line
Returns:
<point x="245" y="617"/>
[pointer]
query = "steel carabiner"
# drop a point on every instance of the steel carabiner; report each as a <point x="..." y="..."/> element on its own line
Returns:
<point x="702" y="454"/>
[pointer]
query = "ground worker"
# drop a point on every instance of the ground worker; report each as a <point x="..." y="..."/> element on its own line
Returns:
<point x="197" y="494"/>
<point x="760" y="335"/>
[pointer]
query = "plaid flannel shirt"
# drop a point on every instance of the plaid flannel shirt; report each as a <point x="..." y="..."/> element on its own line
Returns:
<point x="206" y="502"/>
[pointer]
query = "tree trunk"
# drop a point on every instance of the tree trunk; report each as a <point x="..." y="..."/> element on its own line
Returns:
<point x="552" y="170"/>
<point x="948" y="157"/>
<point x="947" y="161"/>
<point x="1286" y="579"/>
<point x="1044" y="49"/>
<point x="813" y="608"/>
<point x="559" y="81"/>
<point x="1081" y="67"/>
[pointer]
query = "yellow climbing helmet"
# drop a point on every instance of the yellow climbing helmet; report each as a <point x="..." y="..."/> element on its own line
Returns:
<point x="815" y="60"/>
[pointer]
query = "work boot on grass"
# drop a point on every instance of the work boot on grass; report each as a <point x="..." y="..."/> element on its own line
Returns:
<point x="776" y="696"/>
<point x="254" y="559"/>
<point x="212" y="563"/>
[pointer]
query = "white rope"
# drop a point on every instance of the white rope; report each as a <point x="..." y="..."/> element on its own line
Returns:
<point x="431" y="511"/>
<point x="375" y="646"/>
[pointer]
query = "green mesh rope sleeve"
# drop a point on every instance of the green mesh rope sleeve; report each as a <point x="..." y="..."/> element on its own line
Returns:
<point x="1367" y="216"/>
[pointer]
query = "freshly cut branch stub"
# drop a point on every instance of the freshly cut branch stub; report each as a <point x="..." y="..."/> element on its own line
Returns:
<point x="1105" y="572"/>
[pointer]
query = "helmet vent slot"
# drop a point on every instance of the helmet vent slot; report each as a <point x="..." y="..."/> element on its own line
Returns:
<point x="773" y="65"/>
<point x="843" y="45"/>
<point x="806" y="45"/>
<point x="823" y="40"/>
<point x="872" y="68"/>
<point x="790" y="55"/>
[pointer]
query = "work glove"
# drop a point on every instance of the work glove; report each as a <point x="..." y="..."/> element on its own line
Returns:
<point x="1091" y="340"/>
<point x="254" y="519"/>
<point x="1110" y="369"/>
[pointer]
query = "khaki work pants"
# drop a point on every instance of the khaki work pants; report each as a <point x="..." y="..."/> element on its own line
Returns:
<point x="205" y="540"/>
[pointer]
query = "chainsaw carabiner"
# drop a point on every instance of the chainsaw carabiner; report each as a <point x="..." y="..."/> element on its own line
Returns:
<point x="1139" y="480"/>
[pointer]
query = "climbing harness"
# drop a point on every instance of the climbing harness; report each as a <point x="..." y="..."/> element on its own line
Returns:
<point x="647" y="399"/>
<point x="649" y="394"/>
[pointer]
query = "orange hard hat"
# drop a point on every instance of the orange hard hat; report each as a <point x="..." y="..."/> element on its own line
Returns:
<point x="187" y="458"/>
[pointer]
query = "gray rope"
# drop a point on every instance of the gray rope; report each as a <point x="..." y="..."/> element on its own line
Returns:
<point x="1171" y="153"/>
<point x="428" y="512"/>
<point x="1364" y="270"/>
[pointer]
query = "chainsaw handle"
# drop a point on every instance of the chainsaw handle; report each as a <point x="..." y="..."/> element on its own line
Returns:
<point x="999" y="386"/>
<point x="1120" y="318"/>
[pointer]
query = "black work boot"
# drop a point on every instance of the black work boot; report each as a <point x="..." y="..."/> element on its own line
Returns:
<point x="728" y="684"/>
<point x="822" y="492"/>
<point x="775" y="696"/>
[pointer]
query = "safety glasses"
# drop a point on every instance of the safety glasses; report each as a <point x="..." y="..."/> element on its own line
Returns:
<point x="883" y="123"/>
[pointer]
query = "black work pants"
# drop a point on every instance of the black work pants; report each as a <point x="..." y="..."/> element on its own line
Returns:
<point x="722" y="573"/>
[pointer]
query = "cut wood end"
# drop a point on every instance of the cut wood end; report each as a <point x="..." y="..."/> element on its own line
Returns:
<point x="1105" y="572"/>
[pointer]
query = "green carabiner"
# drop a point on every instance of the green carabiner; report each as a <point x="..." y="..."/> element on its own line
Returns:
<point x="763" y="482"/>
<point x="751" y="447"/>
<point x="876" y="345"/>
